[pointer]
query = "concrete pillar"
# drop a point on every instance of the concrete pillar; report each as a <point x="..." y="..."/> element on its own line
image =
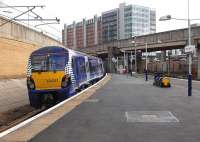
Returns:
<point x="111" y="68"/>
<point x="163" y="56"/>
<point x="95" y="30"/>
<point x="140" y="66"/>
<point x="84" y="33"/>
<point x="198" y="63"/>
<point x="74" y="35"/>
<point x="121" y="21"/>
<point x="65" y="35"/>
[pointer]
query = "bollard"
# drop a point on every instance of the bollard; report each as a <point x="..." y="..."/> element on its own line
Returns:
<point x="146" y="75"/>
<point x="189" y="84"/>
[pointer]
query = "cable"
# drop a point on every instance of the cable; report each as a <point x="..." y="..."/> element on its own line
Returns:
<point x="58" y="31"/>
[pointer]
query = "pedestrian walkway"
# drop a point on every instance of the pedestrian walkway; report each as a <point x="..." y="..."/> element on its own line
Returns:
<point x="128" y="109"/>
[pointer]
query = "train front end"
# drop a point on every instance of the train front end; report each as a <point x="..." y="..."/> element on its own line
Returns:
<point x="48" y="81"/>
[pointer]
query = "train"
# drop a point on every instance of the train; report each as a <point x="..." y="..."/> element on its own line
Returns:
<point x="55" y="73"/>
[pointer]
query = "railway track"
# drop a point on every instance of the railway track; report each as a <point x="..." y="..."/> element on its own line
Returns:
<point x="13" y="117"/>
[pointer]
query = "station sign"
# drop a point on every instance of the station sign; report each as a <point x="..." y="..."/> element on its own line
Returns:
<point x="189" y="49"/>
<point x="114" y="60"/>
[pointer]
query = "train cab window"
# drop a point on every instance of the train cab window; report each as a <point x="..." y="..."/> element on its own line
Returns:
<point x="48" y="62"/>
<point x="57" y="62"/>
<point x="39" y="63"/>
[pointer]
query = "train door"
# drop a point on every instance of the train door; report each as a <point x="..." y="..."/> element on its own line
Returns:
<point x="91" y="68"/>
<point x="80" y="66"/>
<point x="102" y="68"/>
<point x="99" y="67"/>
<point x="83" y="69"/>
<point x="87" y="68"/>
<point x="75" y="70"/>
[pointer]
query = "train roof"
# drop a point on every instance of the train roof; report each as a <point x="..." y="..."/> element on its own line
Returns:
<point x="59" y="49"/>
<point x="50" y="49"/>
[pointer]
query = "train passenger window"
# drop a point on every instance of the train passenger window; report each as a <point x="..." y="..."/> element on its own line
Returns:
<point x="82" y="66"/>
<point x="74" y="65"/>
<point x="87" y="66"/>
<point x="92" y="66"/>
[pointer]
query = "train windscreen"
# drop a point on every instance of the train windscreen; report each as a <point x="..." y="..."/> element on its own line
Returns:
<point x="51" y="62"/>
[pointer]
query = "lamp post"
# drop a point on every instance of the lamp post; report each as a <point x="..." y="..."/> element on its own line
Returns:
<point x="146" y="68"/>
<point x="134" y="42"/>
<point x="168" y="17"/>
<point x="146" y="72"/>
<point x="124" y="59"/>
<point x="131" y="62"/>
<point x="190" y="56"/>
<point x="135" y="56"/>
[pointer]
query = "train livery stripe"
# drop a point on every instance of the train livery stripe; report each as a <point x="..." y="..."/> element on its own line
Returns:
<point x="29" y="68"/>
<point x="70" y="71"/>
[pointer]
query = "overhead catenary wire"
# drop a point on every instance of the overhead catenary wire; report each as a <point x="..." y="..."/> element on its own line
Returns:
<point x="35" y="14"/>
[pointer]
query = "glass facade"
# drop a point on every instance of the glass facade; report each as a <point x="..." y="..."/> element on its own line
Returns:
<point x="110" y="25"/>
<point x="138" y="20"/>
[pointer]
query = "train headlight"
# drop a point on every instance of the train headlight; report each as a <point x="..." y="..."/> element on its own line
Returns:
<point x="65" y="81"/>
<point x="30" y="83"/>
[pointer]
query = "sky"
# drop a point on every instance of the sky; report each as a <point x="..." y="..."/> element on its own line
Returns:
<point x="75" y="10"/>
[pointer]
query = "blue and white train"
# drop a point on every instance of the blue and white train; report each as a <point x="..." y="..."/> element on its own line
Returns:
<point x="56" y="73"/>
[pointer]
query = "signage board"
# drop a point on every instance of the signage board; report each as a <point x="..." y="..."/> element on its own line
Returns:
<point x="189" y="49"/>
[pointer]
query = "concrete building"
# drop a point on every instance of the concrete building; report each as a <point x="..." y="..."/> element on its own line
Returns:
<point x="90" y="33"/>
<point x="99" y="30"/>
<point x="86" y="33"/>
<point x="79" y="35"/>
<point x="68" y="36"/>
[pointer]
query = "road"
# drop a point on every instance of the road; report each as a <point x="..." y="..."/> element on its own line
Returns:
<point x="130" y="109"/>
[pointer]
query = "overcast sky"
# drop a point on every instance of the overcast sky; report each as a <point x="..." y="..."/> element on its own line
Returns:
<point x="75" y="10"/>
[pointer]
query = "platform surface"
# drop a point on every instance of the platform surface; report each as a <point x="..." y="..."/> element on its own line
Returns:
<point x="13" y="94"/>
<point x="129" y="109"/>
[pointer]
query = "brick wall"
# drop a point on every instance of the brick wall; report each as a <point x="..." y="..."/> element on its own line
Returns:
<point x="16" y="43"/>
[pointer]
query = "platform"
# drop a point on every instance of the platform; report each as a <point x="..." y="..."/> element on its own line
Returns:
<point x="13" y="94"/>
<point x="130" y="109"/>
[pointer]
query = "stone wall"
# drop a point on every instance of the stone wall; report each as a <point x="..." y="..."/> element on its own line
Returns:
<point x="16" y="43"/>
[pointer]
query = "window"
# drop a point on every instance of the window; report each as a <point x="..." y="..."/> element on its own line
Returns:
<point x="39" y="63"/>
<point x="49" y="62"/>
<point x="82" y="65"/>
